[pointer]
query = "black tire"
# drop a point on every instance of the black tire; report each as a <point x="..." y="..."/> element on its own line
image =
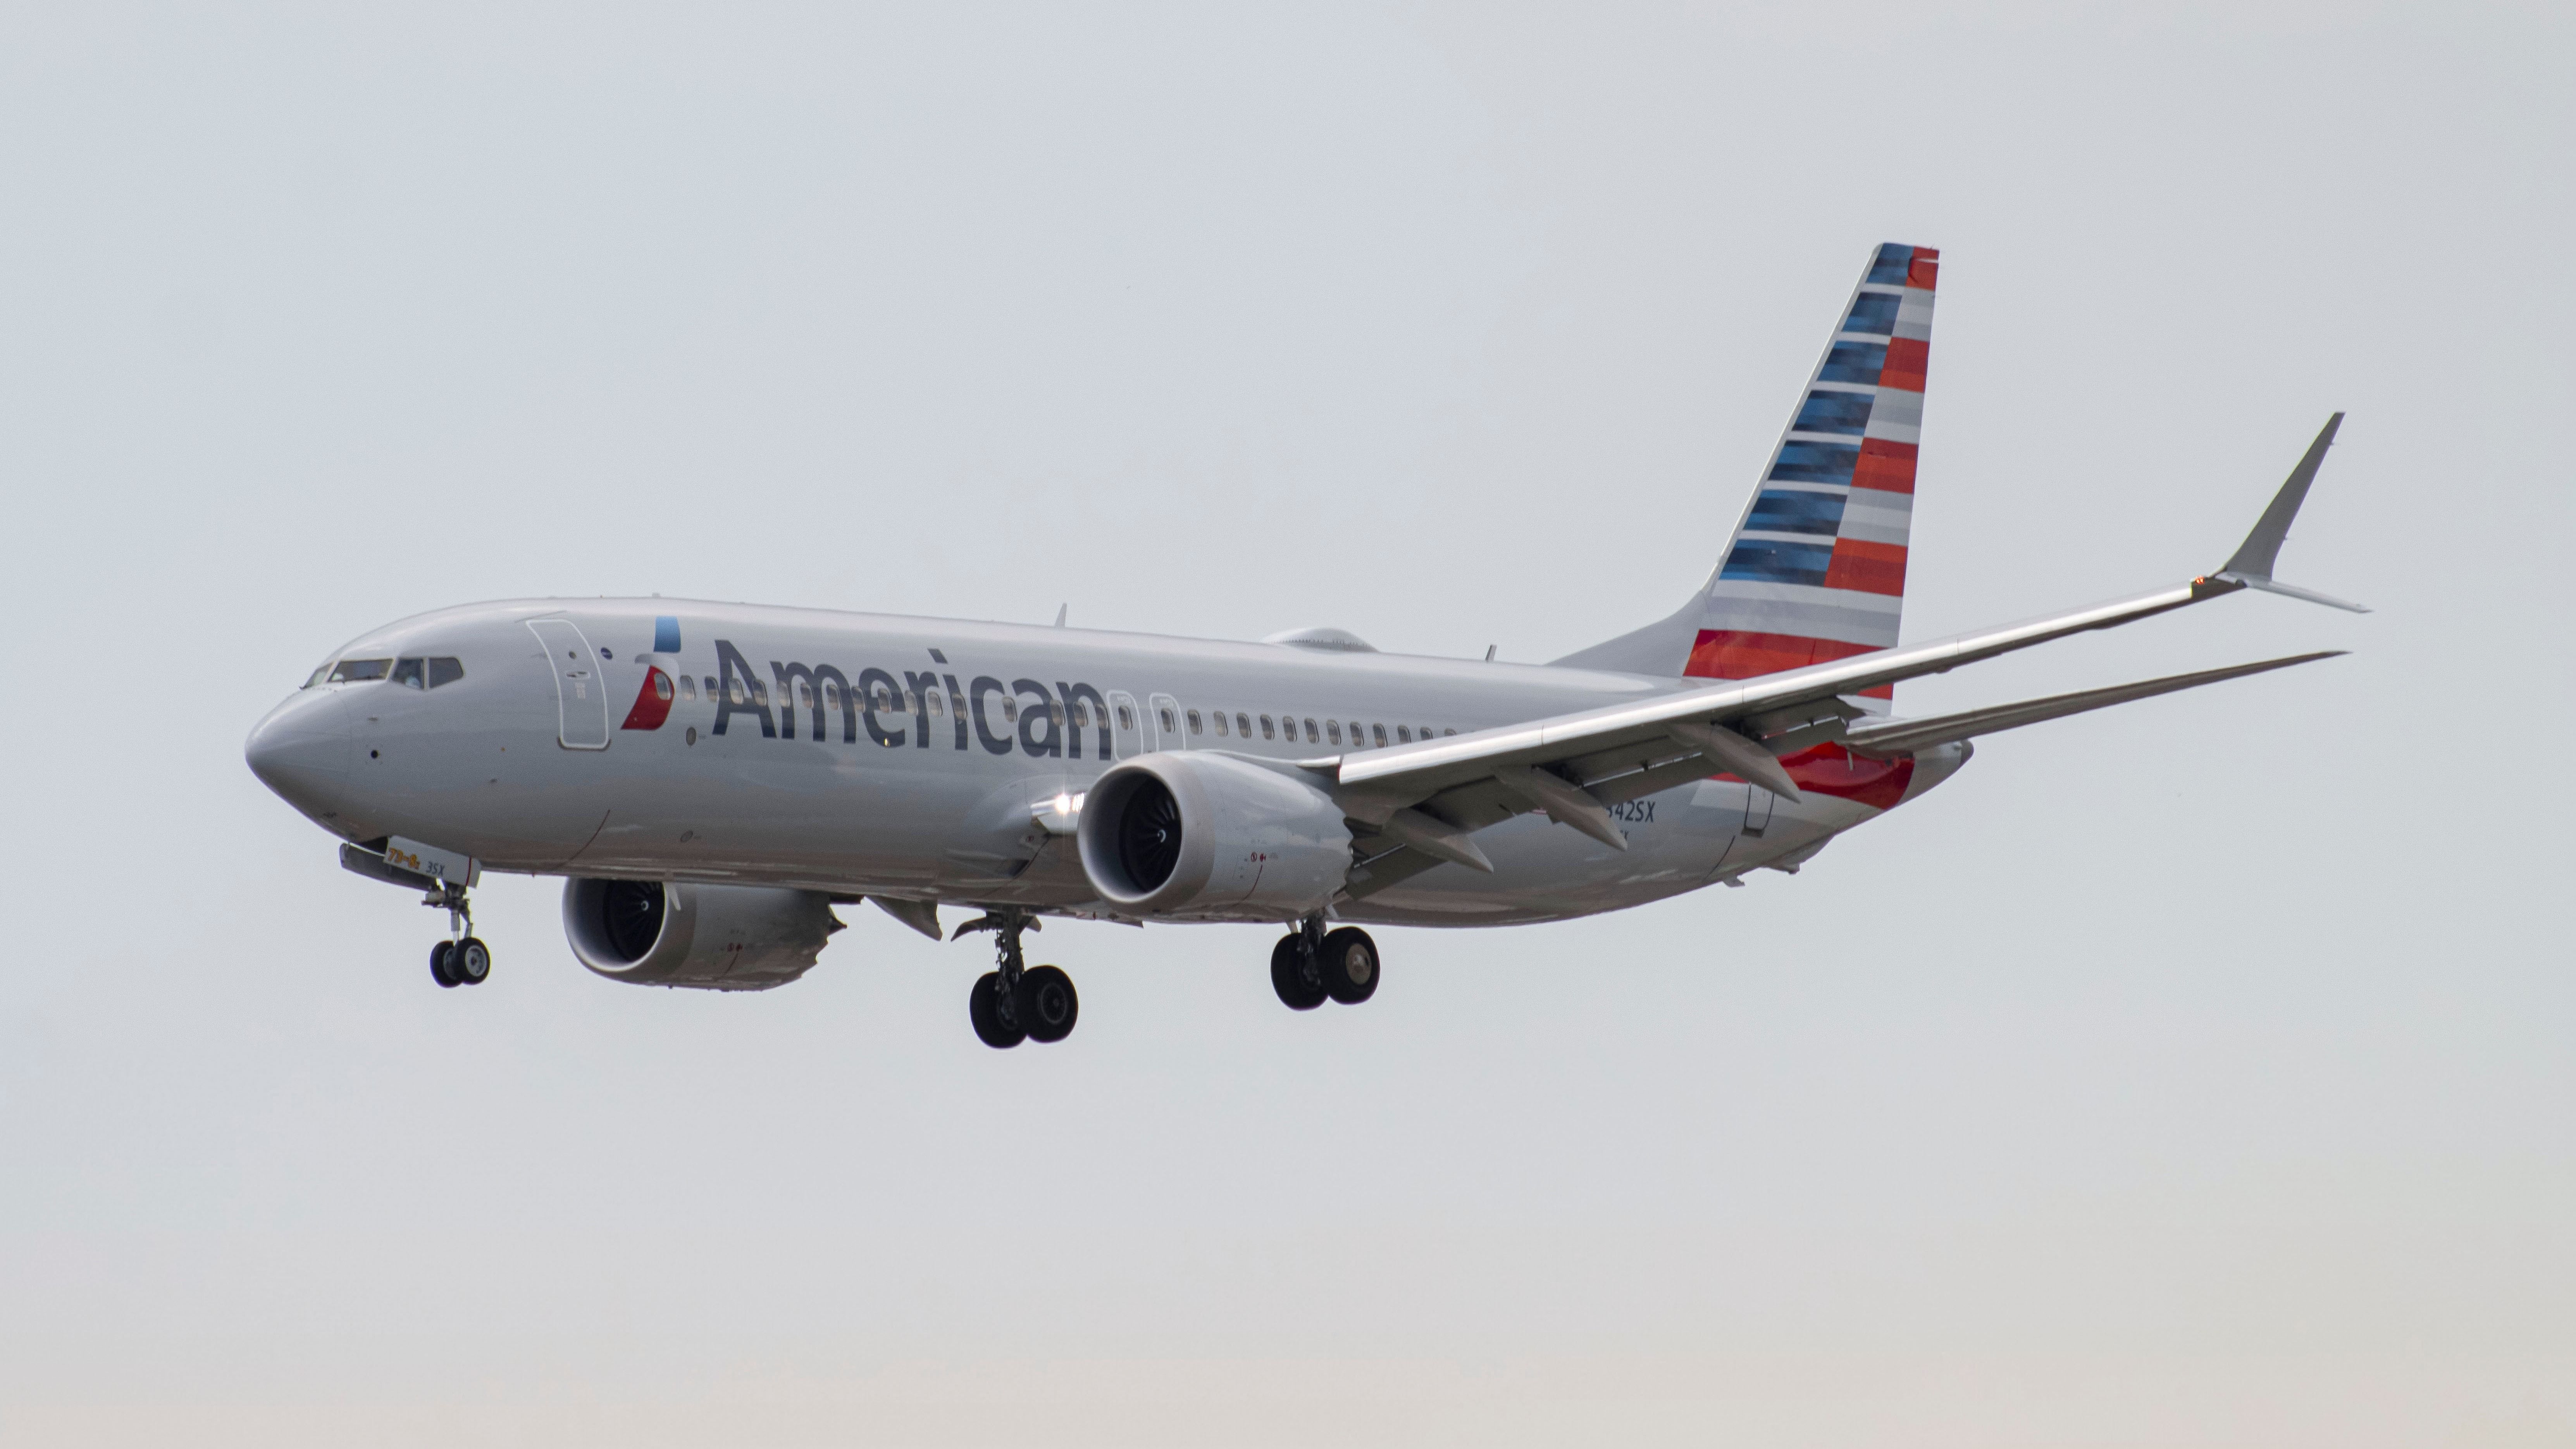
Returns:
<point x="1048" y="1006"/>
<point x="470" y="963"/>
<point x="984" y="1009"/>
<point x="1300" y="988"/>
<point x="1349" y="959"/>
<point x="438" y="963"/>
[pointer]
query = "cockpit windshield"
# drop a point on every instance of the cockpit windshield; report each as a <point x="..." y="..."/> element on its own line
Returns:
<point x="426" y="672"/>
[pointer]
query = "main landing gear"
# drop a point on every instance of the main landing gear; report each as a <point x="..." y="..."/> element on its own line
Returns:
<point x="1016" y="1002"/>
<point x="1311" y="965"/>
<point x="463" y="960"/>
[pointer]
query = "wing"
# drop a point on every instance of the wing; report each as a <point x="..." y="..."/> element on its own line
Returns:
<point x="1422" y="802"/>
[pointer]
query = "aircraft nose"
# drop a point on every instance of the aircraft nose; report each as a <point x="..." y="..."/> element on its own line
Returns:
<point x="302" y="748"/>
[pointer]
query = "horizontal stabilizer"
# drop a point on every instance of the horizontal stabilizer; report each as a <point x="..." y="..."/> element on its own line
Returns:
<point x="1888" y="738"/>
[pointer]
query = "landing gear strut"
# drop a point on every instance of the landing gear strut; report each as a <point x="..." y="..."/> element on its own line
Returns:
<point x="461" y="960"/>
<point x="1311" y="965"/>
<point x="1016" y="1002"/>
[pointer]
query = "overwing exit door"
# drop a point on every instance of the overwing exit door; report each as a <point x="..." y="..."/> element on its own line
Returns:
<point x="1128" y="728"/>
<point x="1164" y="723"/>
<point x="581" y="696"/>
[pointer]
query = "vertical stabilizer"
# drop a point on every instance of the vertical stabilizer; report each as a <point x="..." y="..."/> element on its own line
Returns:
<point x="1815" y="570"/>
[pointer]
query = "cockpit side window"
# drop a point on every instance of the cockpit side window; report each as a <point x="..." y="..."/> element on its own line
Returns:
<point x="445" y="669"/>
<point x="409" y="672"/>
<point x="321" y="672"/>
<point x="355" y="671"/>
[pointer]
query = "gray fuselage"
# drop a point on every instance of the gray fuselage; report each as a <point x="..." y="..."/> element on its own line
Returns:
<point x="827" y="751"/>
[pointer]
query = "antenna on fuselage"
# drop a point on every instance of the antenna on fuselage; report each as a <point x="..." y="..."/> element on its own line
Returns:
<point x="1489" y="652"/>
<point x="1059" y="613"/>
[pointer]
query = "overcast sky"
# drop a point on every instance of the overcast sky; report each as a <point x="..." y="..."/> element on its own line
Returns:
<point x="2197" y="1073"/>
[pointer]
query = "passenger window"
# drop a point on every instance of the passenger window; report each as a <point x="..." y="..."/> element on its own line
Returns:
<point x="1312" y="736"/>
<point x="411" y="673"/>
<point x="1126" y="721"/>
<point x="1333" y="727"/>
<point x="1378" y="734"/>
<point x="1243" y="725"/>
<point x="1194" y="722"/>
<point x="1081" y="716"/>
<point x="1269" y="731"/>
<point x="1403" y="734"/>
<point x="1170" y="725"/>
<point x="1448" y="732"/>
<point x="711" y="687"/>
<point x="737" y="692"/>
<point x="1010" y="710"/>
<point x="938" y="702"/>
<point x="357" y="671"/>
<point x="688" y="687"/>
<point x="1220" y="724"/>
<point x="1356" y="741"/>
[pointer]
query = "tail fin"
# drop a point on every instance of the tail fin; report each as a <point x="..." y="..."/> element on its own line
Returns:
<point x="1816" y="568"/>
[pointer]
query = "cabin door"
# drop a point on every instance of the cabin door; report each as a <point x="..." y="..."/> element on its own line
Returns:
<point x="581" y="696"/>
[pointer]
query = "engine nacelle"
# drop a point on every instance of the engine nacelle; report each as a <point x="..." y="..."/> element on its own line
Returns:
<point x="1208" y="837"/>
<point x="716" y="937"/>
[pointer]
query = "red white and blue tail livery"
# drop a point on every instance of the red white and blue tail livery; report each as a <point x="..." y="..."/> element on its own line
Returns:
<point x="1816" y="569"/>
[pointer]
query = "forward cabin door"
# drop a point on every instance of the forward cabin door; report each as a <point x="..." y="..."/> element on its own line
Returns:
<point x="581" y="696"/>
<point x="1126" y="725"/>
<point x="1163" y="720"/>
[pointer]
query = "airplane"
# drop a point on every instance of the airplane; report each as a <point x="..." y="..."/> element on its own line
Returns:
<point x="710" y="779"/>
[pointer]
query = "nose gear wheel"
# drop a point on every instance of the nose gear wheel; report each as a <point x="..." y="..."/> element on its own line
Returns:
<point x="461" y="960"/>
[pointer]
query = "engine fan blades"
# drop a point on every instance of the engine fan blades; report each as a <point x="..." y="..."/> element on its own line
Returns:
<point x="1149" y="836"/>
<point x="631" y="912"/>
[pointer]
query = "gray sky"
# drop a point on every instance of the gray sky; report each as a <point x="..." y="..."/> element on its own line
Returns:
<point x="2192" y="1074"/>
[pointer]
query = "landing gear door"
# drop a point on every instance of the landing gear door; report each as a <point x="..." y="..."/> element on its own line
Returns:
<point x="581" y="696"/>
<point x="1127" y="724"/>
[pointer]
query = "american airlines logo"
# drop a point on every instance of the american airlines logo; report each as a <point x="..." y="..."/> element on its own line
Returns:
<point x="913" y="710"/>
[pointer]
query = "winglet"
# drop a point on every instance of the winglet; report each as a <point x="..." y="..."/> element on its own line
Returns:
<point x="2251" y="565"/>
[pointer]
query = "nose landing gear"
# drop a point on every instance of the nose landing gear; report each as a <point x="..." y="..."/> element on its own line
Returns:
<point x="1016" y="1002"/>
<point x="463" y="960"/>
